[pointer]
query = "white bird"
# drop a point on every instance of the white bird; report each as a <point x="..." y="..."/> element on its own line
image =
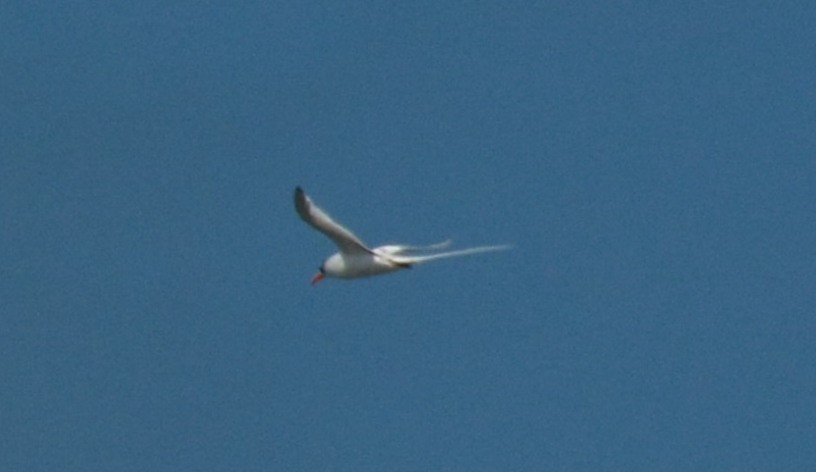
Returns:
<point x="355" y="259"/>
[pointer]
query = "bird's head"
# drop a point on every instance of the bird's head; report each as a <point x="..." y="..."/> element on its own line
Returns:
<point x="334" y="266"/>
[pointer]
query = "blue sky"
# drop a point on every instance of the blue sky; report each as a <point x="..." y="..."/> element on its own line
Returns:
<point x="653" y="166"/>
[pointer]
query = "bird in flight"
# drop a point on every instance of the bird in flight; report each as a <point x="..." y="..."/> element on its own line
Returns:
<point x="356" y="260"/>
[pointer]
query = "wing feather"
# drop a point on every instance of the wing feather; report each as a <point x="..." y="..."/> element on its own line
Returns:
<point x="321" y="221"/>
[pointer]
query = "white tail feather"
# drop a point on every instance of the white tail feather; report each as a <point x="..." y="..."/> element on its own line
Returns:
<point x="443" y="255"/>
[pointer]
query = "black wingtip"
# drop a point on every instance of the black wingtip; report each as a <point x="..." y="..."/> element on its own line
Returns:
<point x="301" y="203"/>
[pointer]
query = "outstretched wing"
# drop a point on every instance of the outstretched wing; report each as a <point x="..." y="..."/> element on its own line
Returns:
<point x="319" y="220"/>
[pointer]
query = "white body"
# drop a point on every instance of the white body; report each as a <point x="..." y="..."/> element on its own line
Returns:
<point x="350" y="266"/>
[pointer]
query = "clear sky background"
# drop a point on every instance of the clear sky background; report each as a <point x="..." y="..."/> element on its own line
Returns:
<point x="654" y="167"/>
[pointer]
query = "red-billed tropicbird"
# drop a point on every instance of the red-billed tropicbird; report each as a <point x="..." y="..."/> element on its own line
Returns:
<point x="355" y="259"/>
